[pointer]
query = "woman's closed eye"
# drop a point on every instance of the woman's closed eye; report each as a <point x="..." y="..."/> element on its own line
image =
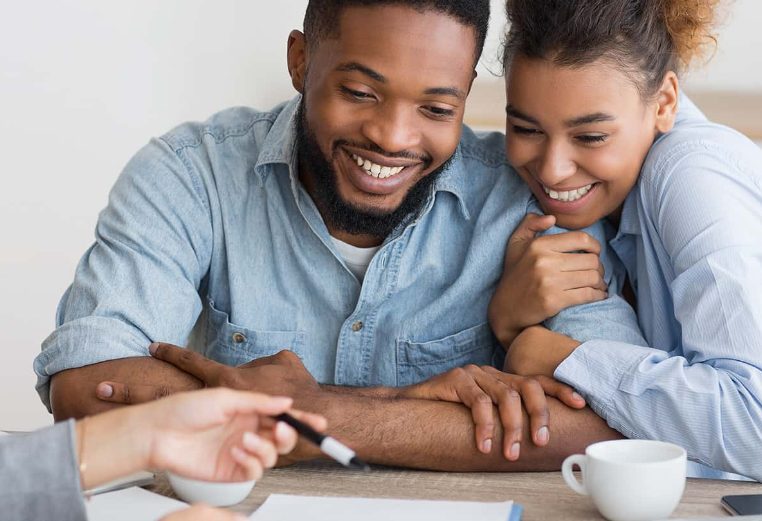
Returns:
<point x="592" y="139"/>
<point x="527" y="131"/>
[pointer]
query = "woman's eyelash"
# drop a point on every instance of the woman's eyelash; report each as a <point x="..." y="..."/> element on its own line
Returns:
<point x="593" y="139"/>
<point x="525" y="130"/>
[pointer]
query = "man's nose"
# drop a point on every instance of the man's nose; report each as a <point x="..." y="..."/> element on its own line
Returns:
<point x="556" y="165"/>
<point x="393" y="128"/>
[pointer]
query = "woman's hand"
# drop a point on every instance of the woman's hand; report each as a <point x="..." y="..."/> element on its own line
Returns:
<point x="203" y="513"/>
<point x="212" y="435"/>
<point x="221" y="434"/>
<point x="538" y="351"/>
<point x="478" y="388"/>
<point x="544" y="275"/>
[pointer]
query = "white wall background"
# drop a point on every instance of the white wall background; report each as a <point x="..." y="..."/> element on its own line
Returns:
<point x="84" y="83"/>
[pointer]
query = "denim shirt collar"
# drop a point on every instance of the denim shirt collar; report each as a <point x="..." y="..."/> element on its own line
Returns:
<point x="279" y="147"/>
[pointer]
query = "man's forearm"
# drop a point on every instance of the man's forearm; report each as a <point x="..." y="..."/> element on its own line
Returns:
<point x="72" y="392"/>
<point x="439" y="435"/>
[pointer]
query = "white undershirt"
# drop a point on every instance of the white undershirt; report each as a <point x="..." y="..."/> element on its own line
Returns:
<point x="357" y="259"/>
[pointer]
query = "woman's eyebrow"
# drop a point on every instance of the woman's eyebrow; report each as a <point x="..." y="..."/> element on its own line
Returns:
<point x="595" y="117"/>
<point x="516" y="113"/>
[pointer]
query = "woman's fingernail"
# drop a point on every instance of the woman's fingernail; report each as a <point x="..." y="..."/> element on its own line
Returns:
<point x="487" y="446"/>
<point x="515" y="450"/>
<point x="153" y="347"/>
<point x="543" y="434"/>
<point x="251" y="441"/>
<point x="105" y="391"/>
<point x="577" y="396"/>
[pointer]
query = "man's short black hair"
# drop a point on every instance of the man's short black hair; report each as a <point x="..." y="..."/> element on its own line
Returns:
<point x="321" y="18"/>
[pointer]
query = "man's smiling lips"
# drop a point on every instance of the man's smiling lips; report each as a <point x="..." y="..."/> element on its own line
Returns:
<point x="377" y="174"/>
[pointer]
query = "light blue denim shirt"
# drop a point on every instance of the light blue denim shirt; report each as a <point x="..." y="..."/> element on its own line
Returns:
<point x="691" y="240"/>
<point x="210" y="226"/>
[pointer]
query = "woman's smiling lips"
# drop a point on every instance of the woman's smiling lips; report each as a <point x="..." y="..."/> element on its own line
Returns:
<point x="565" y="201"/>
<point x="376" y="174"/>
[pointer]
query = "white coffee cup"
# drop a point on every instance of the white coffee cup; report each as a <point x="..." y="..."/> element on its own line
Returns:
<point x="630" y="480"/>
<point x="216" y="494"/>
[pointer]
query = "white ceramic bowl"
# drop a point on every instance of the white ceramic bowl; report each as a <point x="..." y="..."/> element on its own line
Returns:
<point x="209" y="492"/>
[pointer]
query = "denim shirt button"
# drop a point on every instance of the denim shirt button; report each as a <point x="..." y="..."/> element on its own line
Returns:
<point x="239" y="338"/>
<point x="357" y="326"/>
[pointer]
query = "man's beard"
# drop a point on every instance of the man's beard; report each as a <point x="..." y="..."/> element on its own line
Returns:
<point x="341" y="214"/>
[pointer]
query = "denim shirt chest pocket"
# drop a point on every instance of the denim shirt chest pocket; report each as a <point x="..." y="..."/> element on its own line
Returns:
<point x="418" y="361"/>
<point x="234" y="345"/>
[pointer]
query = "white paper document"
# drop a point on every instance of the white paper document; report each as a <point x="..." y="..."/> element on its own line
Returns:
<point x="281" y="507"/>
<point x="130" y="504"/>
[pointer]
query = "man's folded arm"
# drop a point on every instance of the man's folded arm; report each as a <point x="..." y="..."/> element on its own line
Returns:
<point x="438" y="435"/>
<point x="137" y="283"/>
<point x="72" y="392"/>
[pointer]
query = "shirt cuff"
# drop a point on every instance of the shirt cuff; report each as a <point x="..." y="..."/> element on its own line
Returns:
<point x="596" y="369"/>
<point x="86" y="341"/>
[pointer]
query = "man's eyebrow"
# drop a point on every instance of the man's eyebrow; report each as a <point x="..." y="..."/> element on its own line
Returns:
<point x="595" y="117"/>
<point x="359" y="67"/>
<point x="446" y="91"/>
<point x="516" y="113"/>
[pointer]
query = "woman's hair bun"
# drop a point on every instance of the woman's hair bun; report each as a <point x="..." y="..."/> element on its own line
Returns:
<point x="691" y="25"/>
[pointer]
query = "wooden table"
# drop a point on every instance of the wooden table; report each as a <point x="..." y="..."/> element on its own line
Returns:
<point x="544" y="495"/>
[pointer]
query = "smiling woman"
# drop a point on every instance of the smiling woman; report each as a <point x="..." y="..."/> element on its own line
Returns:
<point x="598" y="128"/>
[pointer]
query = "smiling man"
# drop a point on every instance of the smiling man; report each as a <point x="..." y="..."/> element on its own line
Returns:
<point x="360" y="226"/>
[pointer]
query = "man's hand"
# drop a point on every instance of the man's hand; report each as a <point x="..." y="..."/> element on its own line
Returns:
<point x="479" y="387"/>
<point x="280" y="374"/>
<point x="542" y="276"/>
<point x="538" y="351"/>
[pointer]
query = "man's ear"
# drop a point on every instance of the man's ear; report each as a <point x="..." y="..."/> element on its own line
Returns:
<point x="297" y="59"/>
<point x="666" y="102"/>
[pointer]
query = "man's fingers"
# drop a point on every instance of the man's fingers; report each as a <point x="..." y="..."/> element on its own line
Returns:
<point x="511" y="417"/>
<point x="566" y="394"/>
<point x="116" y="392"/>
<point x="536" y="406"/>
<point x="189" y="361"/>
<point x="473" y="397"/>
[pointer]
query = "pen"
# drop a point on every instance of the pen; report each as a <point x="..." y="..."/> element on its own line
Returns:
<point x="330" y="446"/>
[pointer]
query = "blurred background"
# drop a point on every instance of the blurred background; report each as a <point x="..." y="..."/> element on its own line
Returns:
<point x="85" y="83"/>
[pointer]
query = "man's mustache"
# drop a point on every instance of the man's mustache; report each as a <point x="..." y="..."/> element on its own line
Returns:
<point x="372" y="147"/>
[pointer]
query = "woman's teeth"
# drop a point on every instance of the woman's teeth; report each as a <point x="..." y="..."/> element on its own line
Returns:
<point x="376" y="170"/>
<point x="571" y="195"/>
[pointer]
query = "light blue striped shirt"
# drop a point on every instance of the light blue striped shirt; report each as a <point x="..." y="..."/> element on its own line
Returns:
<point x="691" y="240"/>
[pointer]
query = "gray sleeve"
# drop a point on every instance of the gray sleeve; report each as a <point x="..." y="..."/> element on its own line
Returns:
<point x="39" y="475"/>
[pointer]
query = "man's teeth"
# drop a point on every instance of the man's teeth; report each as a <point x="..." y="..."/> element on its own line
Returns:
<point x="571" y="195"/>
<point x="376" y="170"/>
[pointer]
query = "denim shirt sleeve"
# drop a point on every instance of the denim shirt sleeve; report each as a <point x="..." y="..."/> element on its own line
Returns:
<point x="153" y="239"/>
<point x="705" y="391"/>
<point x="611" y="318"/>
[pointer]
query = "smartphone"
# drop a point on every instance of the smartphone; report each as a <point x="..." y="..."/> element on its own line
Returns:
<point x="743" y="505"/>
